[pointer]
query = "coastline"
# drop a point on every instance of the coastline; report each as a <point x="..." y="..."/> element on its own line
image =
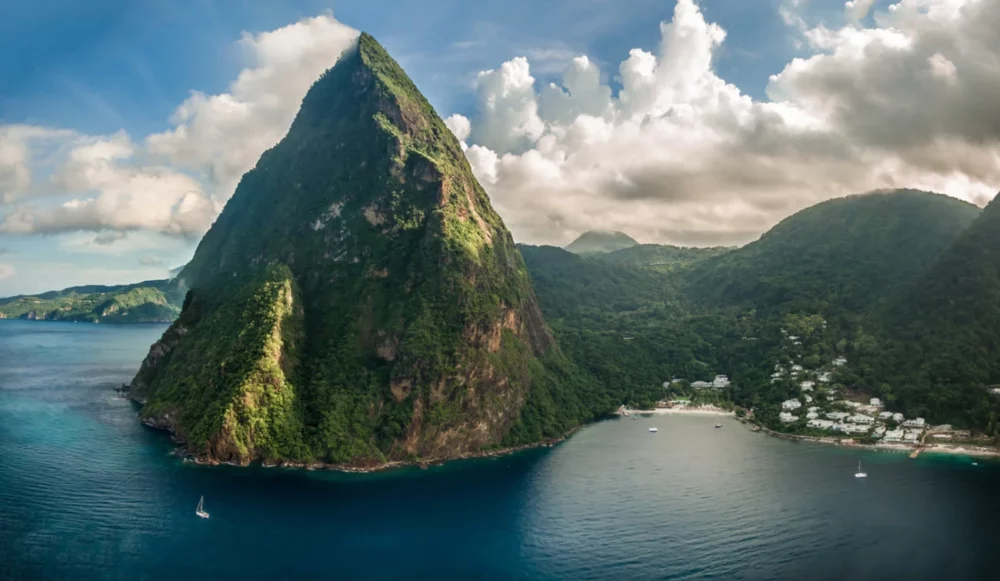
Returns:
<point x="704" y="411"/>
<point x="944" y="449"/>
<point x="422" y="463"/>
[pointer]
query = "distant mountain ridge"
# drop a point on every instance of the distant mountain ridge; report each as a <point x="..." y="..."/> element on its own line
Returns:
<point x="152" y="301"/>
<point x="600" y="241"/>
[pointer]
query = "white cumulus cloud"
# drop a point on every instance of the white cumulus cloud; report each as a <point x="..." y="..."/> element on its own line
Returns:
<point x="175" y="182"/>
<point x="679" y="155"/>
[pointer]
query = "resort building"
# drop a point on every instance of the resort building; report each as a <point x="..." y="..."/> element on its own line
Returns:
<point x="897" y="417"/>
<point x="814" y="408"/>
<point x="812" y="415"/>
<point x="914" y="423"/>
<point x="720" y="382"/>
<point x="911" y="436"/>
<point x="787" y="417"/>
<point x="894" y="436"/>
<point x="807" y="398"/>
<point x="861" y="419"/>
<point x="851" y="428"/>
<point x="820" y="424"/>
<point x="837" y="415"/>
<point x="879" y="431"/>
<point x="885" y="416"/>
<point x="876" y="402"/>
<point x="807" y="385"/>
<point x="797" y="368"/>
<point x="840" y="362"/>
<point x="701" y="385"/>
<point x="792" y="404"/>
<point x="825" y="377"/>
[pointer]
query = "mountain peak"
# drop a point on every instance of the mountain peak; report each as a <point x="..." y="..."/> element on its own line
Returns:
<point x="358" y="301"/>
<point x="601" y="241"/>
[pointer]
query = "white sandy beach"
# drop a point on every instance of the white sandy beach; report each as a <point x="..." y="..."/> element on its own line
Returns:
<point x="685" y="411"/>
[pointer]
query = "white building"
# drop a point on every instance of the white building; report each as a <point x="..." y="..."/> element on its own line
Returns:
<point x="875" y="402"/>
<point x="840" y="361"/>
<point x="914" y="423"/>
<point x="820" y="424"/>
<point x="797" y="368"/>
<point x="793" y="338"/>
<point x="807" y="398"/>
<point x="897" y="417"/>
<point x="812" y="415"/>
<point x="885" y="416"/>
<point x="861" y="419"/>
<point x="825" y="377"/>
<point x="837" y="415"/>
<point x="807" y="385"/>
<point x="995" y="390"/>
<point x="720" y="382"/>
<point x="894" y="436"/>
<point x="851" y="428"/>
<point x="911" y="436"/>
<point x="792" y="404"/>
<point x="830" y="397"/>
<point x="868" y="409"/>
<point x="787" y="417"/>
<point x="879" y="431"/>
<point x="701" y="385"/>
<point x="814" y="408"/>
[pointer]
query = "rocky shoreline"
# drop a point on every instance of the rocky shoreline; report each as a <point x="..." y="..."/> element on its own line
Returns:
<point x="423" y="463"/>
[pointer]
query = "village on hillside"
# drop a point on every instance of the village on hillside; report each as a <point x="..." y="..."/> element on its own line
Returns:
<point x="824" y="410"/>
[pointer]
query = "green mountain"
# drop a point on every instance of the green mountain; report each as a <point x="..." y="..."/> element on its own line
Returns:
<point x="600" y="241"/>
<point x="358" y="301"/>
<point x="153" y="301"/>
<point x="664" y="258"/>
<point x="943" y="333"/>
<point x="845" y="254"/>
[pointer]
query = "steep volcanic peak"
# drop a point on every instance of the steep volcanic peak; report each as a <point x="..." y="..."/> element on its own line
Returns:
<point x="358" y="301"/>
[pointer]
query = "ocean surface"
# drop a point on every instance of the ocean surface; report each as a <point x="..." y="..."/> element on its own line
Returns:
<point x="88" y="493"/>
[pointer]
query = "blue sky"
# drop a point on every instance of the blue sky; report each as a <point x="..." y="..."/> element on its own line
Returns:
<point x="118" y="67"/>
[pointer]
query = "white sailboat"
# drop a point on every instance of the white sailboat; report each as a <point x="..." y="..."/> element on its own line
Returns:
<point x="859" y="473"/>
<point x="200" y="511"/>
<point x="653" y="430"/>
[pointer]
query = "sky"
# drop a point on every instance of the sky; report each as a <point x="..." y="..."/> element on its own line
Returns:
<point x="125" y="126"/>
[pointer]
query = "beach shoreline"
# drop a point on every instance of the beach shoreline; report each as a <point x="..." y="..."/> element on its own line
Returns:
<point x="685" y="411"/>
<point x="943" y="449"/>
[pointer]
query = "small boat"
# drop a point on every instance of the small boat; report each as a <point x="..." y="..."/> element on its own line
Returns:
<point x="718" y="425"/>
<point x="653" y="430"/>
<point x="200" y="511"/>
<point x="859" y="473"/>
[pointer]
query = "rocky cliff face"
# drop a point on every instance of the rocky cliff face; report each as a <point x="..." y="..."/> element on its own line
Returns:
<point x="358" y="301"/>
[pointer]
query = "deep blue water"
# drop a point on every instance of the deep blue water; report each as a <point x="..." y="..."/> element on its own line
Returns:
<point x="87" y="493"/>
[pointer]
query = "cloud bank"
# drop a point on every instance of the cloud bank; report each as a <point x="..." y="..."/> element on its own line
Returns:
<point x="174" y="182"/>
<point x="677" y="154"/>
<point x="661" y="147"/>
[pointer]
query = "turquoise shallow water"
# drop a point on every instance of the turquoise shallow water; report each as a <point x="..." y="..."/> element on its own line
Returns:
<point x="87" y="493"/>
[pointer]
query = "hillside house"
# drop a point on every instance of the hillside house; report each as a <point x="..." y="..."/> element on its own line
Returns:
<point x="787" y="417"/>
<point x="792" y="404"/>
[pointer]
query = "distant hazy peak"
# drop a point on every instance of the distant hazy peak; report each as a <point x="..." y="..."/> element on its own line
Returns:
<point x="601" y="241"/>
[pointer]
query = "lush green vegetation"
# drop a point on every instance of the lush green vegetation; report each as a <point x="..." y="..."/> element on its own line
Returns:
<point x="902" y="284"/>
<point x="155" y="301"/>
<point x="839" y="257"/>
<point x="359" y="301"/>
<point x="599" y="241"/>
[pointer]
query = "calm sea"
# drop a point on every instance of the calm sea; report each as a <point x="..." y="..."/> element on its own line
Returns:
<point x="87" y="493"/>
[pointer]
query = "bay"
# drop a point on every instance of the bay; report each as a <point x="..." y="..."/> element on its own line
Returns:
<point x="88" y="493"/>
